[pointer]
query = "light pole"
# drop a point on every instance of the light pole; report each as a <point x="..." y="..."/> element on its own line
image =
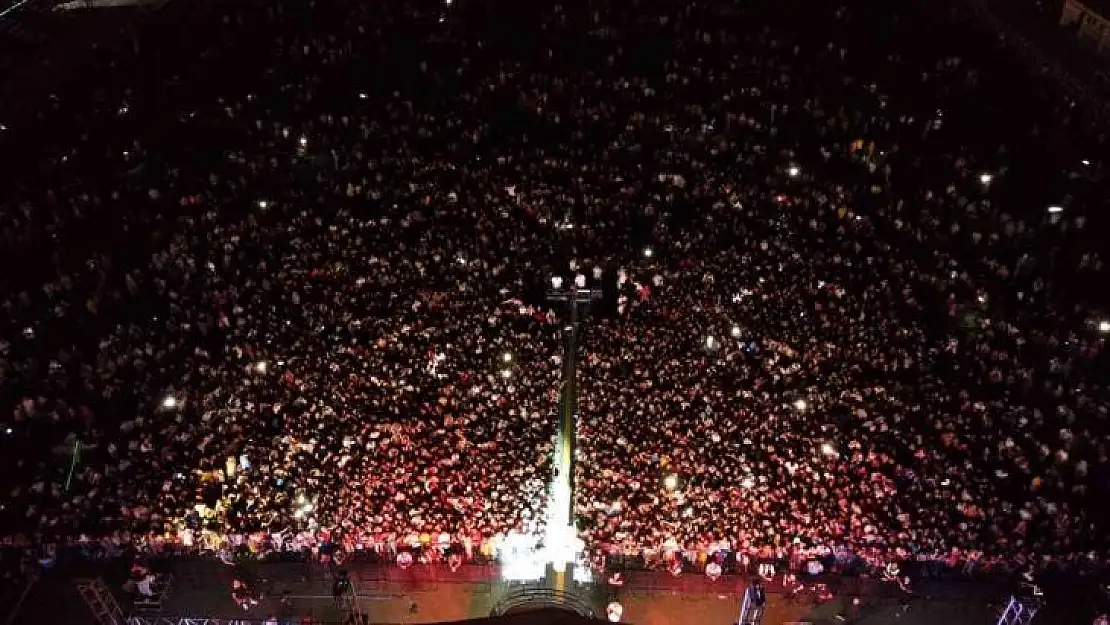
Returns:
<point x="561" y="529"/>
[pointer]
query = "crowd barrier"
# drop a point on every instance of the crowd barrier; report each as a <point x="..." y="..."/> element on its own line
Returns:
<point x="381" y="565"/>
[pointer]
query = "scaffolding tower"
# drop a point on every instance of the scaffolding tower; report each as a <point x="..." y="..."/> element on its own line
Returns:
<point x="1020" y="611"/>
<point x="751" y="609"/>
<point x="95" y="593"/>
<point x="346" y="597"/>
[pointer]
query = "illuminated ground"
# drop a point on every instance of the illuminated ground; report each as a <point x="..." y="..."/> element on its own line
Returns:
<point x="450" y="602"/>
<point x="667" y="609"/>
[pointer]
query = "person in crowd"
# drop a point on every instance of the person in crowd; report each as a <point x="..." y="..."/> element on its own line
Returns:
<point x="844" y="314"/>
<point x="145" y="586"/>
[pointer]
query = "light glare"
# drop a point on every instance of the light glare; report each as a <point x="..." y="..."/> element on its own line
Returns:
<point x="520" y="560"/>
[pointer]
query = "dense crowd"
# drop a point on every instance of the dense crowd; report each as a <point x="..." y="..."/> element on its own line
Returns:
<point x="290" y="281"/>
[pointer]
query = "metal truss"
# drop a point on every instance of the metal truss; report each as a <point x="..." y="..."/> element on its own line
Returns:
<point x="100" y="601"/>
<point x="1020" y="610"/>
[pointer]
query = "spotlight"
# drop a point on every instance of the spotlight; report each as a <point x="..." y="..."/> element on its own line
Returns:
<point x="793" y="170"/>
<point x="169" y="402"/>
<point x="1055" y="210"/>
<point x="648" y="252"/>
<point x="506" y="357"/>
<point x="985" y="178"/>
<point x="1104" y="326"/>
<point x="735" y="332"/>
<point x="556" y="282"/>
<point x="670" y="482"/>
<point x="800" y="404"/>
